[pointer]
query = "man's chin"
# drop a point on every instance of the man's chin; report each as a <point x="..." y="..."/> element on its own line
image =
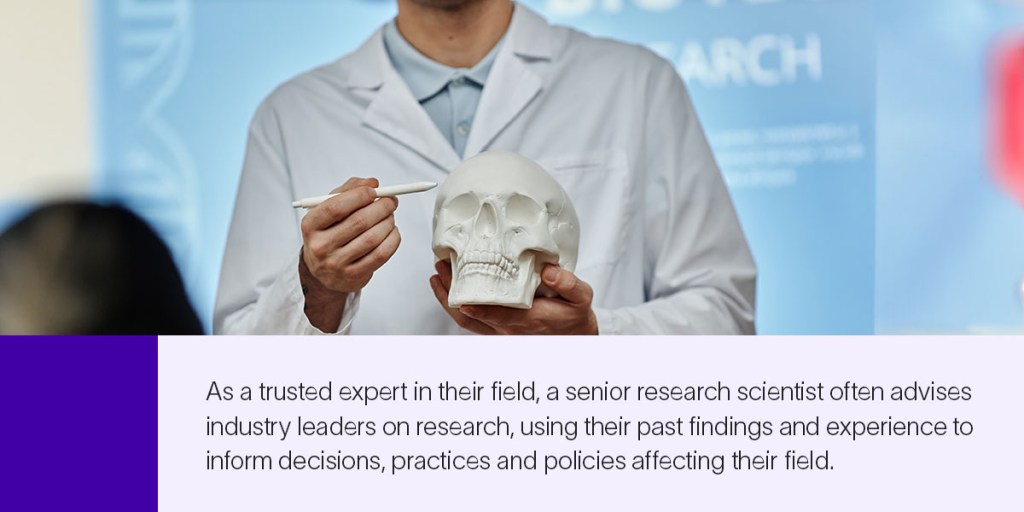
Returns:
<point x="446" y="5"/>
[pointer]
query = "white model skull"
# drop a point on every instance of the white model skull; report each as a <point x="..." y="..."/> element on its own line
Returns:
<point x="499" y="218"/>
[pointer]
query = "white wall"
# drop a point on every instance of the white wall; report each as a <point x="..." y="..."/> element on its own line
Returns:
<point x="44" y="98"/>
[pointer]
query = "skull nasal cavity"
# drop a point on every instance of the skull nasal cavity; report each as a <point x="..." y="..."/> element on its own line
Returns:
<point x="486" y="221"/>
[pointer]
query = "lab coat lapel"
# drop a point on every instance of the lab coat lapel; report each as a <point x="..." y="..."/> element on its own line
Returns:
<point x="512" y="85"/>
<point x="509" y="89"/>
<point x="396" y="114"/>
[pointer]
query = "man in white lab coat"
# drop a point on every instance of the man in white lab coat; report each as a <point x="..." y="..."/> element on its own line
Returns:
<point x="661" y="250"/>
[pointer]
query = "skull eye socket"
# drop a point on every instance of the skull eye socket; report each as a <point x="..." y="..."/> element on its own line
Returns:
<point x="521" y="209"/>
<point x="462" y="207"/>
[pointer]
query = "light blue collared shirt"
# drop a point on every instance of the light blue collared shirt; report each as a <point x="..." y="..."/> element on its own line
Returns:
<point x="449" y="95"/>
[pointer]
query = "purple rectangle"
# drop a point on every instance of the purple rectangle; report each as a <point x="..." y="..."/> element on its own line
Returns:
<point x="80" y="423"/>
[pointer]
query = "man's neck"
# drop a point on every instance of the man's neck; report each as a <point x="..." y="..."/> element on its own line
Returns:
<point x="457" y="37"/>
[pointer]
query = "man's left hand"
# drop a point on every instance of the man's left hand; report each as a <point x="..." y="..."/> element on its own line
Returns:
<point x="569" y="313"/>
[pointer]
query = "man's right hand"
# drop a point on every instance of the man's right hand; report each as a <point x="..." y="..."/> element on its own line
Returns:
<point x="345" y="240"/>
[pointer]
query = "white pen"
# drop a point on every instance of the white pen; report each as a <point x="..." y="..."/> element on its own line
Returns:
<point x="393" y="190"/>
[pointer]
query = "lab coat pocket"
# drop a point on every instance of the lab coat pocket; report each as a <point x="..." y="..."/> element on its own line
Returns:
<point x="599" y="186"/>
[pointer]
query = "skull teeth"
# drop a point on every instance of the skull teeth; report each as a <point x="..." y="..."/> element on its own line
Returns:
<point x="488" y="263"/>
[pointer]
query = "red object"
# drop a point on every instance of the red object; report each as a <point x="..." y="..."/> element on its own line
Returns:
<point x="1009" y="116"/>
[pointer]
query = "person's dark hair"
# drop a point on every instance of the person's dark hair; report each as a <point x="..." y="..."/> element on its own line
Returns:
<point x="80" y="268"/>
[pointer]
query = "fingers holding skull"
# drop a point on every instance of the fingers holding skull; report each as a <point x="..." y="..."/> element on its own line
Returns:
<point x="568" y="313"/>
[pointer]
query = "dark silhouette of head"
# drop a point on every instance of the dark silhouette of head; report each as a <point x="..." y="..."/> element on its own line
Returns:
<point x="80" y="268"/>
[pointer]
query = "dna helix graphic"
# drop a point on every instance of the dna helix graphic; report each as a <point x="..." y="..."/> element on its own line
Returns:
<point x="152" y="168"/>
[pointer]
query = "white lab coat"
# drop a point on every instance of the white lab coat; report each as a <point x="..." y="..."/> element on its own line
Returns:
<point x="660" y="242"/>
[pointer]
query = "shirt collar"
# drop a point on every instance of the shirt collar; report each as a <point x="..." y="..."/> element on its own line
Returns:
<point x="424" y="76"/>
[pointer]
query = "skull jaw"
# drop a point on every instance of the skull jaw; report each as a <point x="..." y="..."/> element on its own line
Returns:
<point x="492" y="290"/>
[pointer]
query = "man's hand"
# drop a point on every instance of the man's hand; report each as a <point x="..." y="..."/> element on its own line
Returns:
<point x="345" y="240"/>
<point x="569" y="313"/>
